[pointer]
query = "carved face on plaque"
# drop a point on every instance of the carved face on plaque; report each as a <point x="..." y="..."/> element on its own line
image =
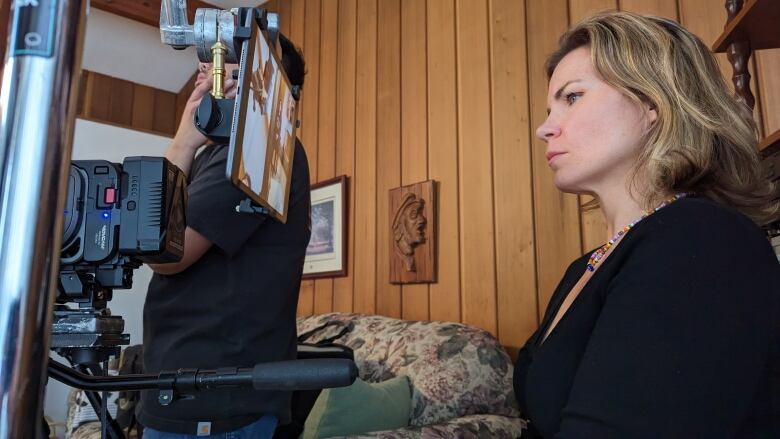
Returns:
<point x="409" y="228"/>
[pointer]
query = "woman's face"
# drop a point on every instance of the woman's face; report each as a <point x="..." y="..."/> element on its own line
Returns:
<point x="593" y="132"/>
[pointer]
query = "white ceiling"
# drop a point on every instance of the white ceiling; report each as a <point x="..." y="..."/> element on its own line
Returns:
<point x="126" y="49"/>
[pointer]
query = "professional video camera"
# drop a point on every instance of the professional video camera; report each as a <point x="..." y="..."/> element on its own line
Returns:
<point x="116" y="217"/>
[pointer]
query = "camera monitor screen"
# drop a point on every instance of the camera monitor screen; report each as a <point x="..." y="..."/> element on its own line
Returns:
<point x="262" y="141"/>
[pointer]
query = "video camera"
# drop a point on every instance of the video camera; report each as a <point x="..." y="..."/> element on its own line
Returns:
<point x="117" y="216"/>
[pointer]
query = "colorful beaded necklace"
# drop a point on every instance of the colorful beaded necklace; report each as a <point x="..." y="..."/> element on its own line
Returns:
<point x="598" y="254"/>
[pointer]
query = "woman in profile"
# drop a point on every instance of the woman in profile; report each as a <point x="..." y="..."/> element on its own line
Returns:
<point x="670" y="330"/>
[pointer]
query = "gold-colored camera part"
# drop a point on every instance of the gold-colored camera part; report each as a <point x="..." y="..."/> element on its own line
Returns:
<point x="218" y="52"/>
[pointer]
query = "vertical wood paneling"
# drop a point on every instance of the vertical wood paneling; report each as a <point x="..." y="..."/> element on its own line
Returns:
<point x="515" y="264"/>
<point x="121" y="102"/>
<point x="345" y="140"/>
<point x="414" y="132"/>
<point x="660" y="8"/>
<point x="143" y="102"/>
<point x="579" y="9"/>
<point x="478" y="281"/>
<point x="443" y="156"/>
<point x="326" y="135"/>
<point x="768" y="67"/>
<point x="297" y="36"/>
<point x="309" y="121"/>
<point x="388" y="154"/>
<point x="98" y="88"/>
<point x="365" y="193"/>
<point x="125" y="104"/>
<point x="556" y="215"/>
<point x="284" y="8"/>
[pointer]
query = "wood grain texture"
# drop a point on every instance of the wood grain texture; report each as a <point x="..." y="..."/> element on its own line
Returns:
<point x="414" y="129"/>
<point x="125" y="104"/>
<point x="768" y="72"/>
<point x="345" y="140"/>
<point x="388" y="153"/>
<point x="556" y="215"/>
<point x="707" y="20"/>
<point x="660" y="8"/>
<point x="477" y="235"/>
<point x="443" y="156"/>
<point x="309" y="120"/>
<point x="326" y="135"/>
<point x="515" y="252"/>
<point x="365" y="193"/>
<point x="579" y="9"/>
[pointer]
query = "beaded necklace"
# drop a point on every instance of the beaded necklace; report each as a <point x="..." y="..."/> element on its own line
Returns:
<point x="598" y="254"/>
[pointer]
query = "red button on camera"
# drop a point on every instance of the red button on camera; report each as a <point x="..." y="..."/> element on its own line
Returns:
<point x="110" y="195"/>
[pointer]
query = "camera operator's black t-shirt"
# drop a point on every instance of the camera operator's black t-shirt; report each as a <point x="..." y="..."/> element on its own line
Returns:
<point x="235" y="306"/>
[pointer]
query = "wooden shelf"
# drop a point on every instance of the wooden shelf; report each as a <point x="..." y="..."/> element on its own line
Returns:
<point x="758" y="21"/>
<point x="770" y="144"/>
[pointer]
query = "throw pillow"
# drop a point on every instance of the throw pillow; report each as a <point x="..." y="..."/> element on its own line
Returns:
<point x="360" y="408"/>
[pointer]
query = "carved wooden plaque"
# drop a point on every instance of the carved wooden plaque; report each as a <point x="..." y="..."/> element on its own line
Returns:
<point x="413" y="233"/>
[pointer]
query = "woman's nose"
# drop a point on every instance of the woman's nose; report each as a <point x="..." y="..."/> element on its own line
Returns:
<point x="548" y="130"/>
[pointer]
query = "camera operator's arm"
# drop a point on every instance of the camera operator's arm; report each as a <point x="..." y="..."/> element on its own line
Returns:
<point x="188" y="139"/>
<point x="195" y="246"/>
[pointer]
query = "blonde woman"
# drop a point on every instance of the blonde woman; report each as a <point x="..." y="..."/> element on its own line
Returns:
<point x="670" y="330"/>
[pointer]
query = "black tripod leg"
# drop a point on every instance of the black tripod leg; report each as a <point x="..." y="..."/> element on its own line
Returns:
<point x="109" y="426"/>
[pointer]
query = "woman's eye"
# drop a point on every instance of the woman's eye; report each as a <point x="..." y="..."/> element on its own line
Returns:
<point x="572" y="98"/>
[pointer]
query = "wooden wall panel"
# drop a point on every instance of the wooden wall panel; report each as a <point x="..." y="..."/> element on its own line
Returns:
<point x="579" y="9"/>
<point x="660" y="8"/>
<point x="326" y="135"/>
<point x="414" y="132"/>
<point x="388" y="142"/>
<point x="345" y="140"/>
<point x="515" y="264"/>
<point x="477" y="236"/>
<point x="556" y="215"/>
<point x="114" y="101"/>
<point x="364" y="180"/>
<point x="443" y="156"/>
<point x="309" y="120"/>
<point x="768" y="69"/>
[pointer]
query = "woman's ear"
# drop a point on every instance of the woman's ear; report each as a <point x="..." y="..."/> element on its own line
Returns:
<point x="651" y="113"/>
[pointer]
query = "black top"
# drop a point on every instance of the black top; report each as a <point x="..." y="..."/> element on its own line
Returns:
<point x="235" y="306"/>
<point x="676" y="335"/>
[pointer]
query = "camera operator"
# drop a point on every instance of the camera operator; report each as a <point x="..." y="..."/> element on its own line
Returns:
<point x="232" y="299"/>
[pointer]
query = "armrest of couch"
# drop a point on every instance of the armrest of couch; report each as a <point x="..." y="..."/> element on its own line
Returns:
<point x="476" y="426"/>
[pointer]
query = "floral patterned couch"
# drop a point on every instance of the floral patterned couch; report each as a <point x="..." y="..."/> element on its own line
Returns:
<point x="461" y="377"/>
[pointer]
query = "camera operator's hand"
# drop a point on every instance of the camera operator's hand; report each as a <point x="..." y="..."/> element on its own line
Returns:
<point x="188" y="139"/>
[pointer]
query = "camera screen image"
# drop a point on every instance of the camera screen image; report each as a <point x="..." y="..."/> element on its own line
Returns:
<point x="263" y="142"/>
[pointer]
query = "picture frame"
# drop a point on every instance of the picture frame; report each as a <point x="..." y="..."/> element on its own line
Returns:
<point x="326" y="254"/>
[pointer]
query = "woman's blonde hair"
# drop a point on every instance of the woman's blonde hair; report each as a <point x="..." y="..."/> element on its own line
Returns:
<point x="704" y="140"/>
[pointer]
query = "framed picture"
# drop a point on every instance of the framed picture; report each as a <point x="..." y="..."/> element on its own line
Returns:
<point x="326" y="255"/>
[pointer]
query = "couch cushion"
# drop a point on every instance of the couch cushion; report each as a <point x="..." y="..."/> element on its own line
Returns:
<point x="455" y="370"/>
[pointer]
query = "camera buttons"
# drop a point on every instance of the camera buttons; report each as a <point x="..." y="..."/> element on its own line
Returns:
<point x="110" y="195"/>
